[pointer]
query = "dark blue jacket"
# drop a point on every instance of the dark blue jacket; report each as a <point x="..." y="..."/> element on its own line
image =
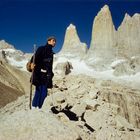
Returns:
<point x="43" y="73"/>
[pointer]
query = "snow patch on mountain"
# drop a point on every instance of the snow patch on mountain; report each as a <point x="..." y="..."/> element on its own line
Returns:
<point x="80" y="67"/>
<point x="19" y="64"/>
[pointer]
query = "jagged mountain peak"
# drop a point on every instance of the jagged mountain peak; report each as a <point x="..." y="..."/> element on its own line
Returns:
<point x="71" y="26"/>
<point x="72" y="44"/>
<point x="105" y="8"/>
<point x="71" y="35"/>
<point x="137" y="14"/>
<point x="103" y="34"/>
<point x="5" y="45"/>
<point x="127" y="17"/>
<point x="105" y="11"/>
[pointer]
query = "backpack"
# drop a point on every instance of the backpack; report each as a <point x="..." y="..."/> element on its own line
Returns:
<point x="31" y="61"/>
<point x="28" y="66"/>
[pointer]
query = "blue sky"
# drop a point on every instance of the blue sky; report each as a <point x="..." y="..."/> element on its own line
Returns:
<point x="27" y="22"/>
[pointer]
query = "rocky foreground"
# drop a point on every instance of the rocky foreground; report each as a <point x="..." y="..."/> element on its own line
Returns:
<point x="78" y="108"/>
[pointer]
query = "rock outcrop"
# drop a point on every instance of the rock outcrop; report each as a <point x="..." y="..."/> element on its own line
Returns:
<point x="103" y="35"/>
<point x="128" y="34"/>
<point x="102" y="47"/>
<point x="72" y="46"/>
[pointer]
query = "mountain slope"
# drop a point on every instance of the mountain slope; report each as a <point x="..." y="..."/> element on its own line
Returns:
<point x="8" y="94"/>
<point x="13" y="83"/>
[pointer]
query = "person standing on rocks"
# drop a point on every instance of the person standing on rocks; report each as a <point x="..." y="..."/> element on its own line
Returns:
<point x="43" y="73"/>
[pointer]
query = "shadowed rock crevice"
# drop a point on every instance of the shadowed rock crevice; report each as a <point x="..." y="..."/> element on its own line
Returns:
<point x="89" y="127"/>
<point x="72" y="116"/>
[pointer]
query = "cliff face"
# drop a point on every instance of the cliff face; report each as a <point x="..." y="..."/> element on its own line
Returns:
<point x="103" y="41"/>
<point x="128" y="34"/>
<point x="108" y="45"/>
<point x="106" y="42"/>
<point x="103" y="35"/>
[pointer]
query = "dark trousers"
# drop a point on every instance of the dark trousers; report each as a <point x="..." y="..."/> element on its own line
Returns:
<point x="40" y="95"/>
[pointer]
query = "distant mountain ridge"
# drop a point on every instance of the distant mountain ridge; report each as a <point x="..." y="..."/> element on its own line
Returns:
<point x="12" y="56"/>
